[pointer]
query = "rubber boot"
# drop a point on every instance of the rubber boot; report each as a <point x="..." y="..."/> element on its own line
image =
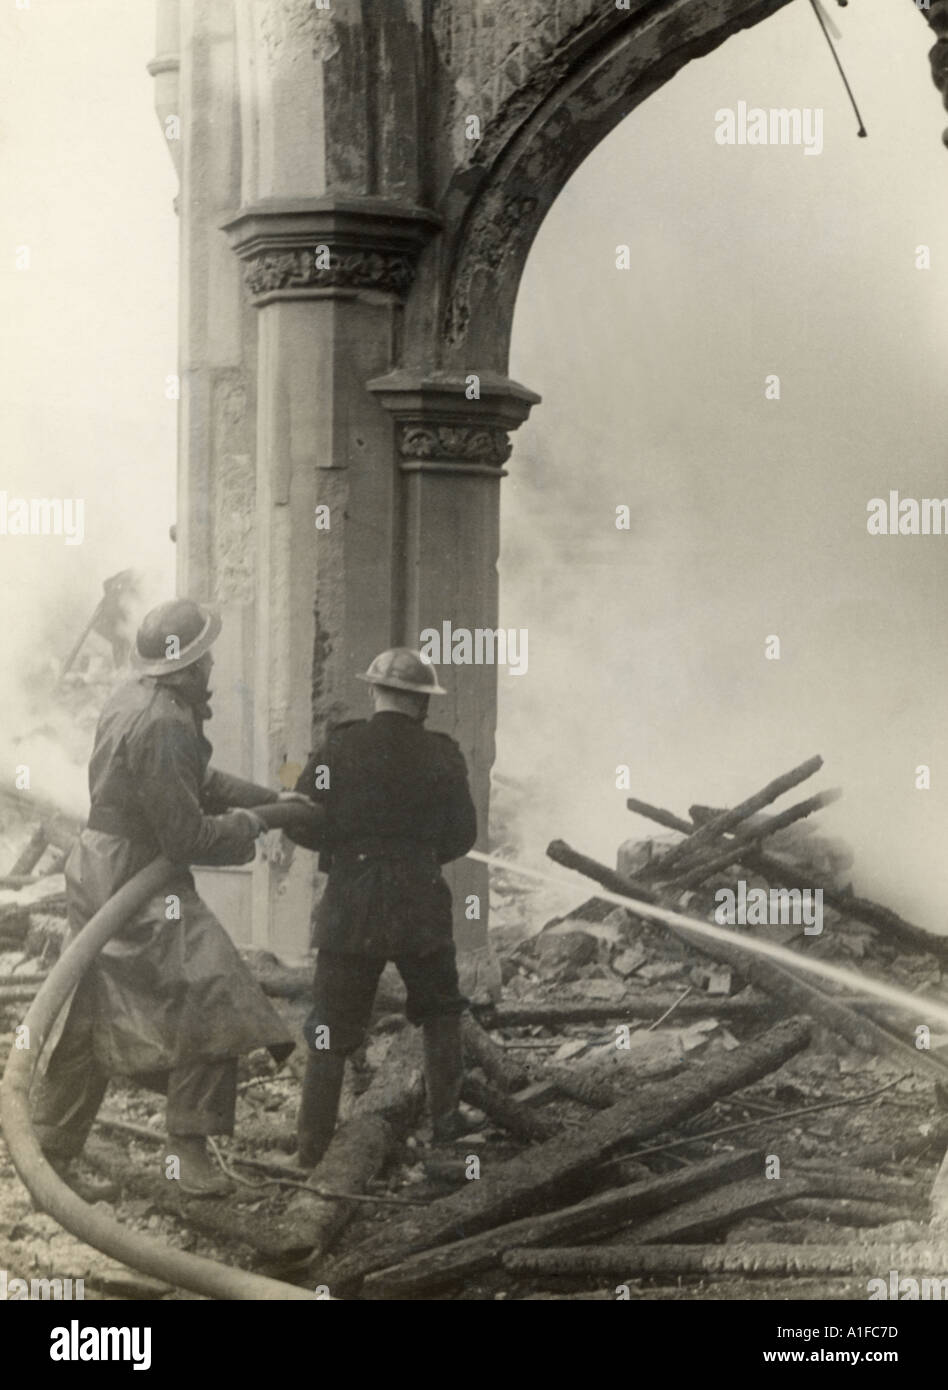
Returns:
<point x="199" y="1176"/>
<point x="444" y="1070"/>
<point x="319" y="1105"/>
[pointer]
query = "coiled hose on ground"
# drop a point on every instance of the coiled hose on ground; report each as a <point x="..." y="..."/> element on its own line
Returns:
<point x="91" y="1224"/>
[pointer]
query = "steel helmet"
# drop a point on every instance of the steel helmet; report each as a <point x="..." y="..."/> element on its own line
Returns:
<point x="403" y="669"/>
<point x="195" y="628"/>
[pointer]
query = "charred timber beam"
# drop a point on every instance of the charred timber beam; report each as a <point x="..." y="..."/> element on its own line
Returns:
<point x="751" y="839"/>
<point x="791" y="876"/>
<point x="708" y="833"/>
<point x="597" y="1216"/>
<point x="480" y="1050"/>
<point x="659" y="815"/>
<point x="18" y="994"/>
<point x="22" y="981"/>
<point x="562" y="853"/>
<point x="748" y="1007"/>
<point x="563" y="1169"/>
<point x="786" y="988"/>
<point x="764" y="1261"/>
<point x="516" y="1119"/>
<point x="31" y="853"/>
<point x="357" y="1153"/>
<point x="847" y="1211"/>
<point x="708" y="1215"/>
<point x="861" y="1183"/>
<point x="862" y="909"/>
<point x="588" y="1090"/>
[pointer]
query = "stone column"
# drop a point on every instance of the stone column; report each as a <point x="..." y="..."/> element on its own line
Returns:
<point x="376" y="506"/>
<point x="328" y="223"/>
<point x="216" y="367"/>
<point x="451" y="442"/>
<point x="326" y="276"/>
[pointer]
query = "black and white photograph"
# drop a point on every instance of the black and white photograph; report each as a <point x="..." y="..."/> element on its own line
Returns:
<point x="474" y="766"/>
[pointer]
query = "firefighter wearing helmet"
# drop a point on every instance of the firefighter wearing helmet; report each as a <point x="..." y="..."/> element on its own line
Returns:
<point x="398" y="806"/>
<point x="168" y="1000"/>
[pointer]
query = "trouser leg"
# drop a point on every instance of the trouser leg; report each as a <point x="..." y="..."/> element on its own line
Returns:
<point x="319" y="1105"/>
<point x="65" y="1099"/>
<point x="435" y="1002"/>
<point x="65" y="1106"/>
<point x="343" y="994"/>
<point x="202" y="1097"/>
<point x="444" y="1073"/>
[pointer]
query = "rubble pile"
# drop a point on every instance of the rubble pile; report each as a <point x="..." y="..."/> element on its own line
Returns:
<point x="691" y="1120"/>
<point x="653" y="1114"/>
<point x="613" y="1008"/>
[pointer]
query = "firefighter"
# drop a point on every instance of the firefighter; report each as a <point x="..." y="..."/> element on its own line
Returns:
<point x="397" y="808"/>
<point x="168" y="1000"/>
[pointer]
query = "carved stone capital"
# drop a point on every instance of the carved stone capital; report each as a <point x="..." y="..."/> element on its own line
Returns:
<point x="475" y="443"/>
<point x="451" y="424"/>
<point x="309" y="248"/>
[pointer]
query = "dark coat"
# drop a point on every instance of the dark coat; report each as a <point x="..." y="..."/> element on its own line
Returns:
<point x="398" y="807"/>
<point x="166" y="990"/>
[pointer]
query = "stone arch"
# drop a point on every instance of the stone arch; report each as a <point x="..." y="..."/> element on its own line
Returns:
<point x="565" y="107"/>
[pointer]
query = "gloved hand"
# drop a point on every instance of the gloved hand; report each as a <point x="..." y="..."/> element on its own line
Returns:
<point x="257" y="826"/>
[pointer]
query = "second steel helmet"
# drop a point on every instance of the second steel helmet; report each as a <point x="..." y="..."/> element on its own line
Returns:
<point x="400" y="668"/>
<point x="174" y="635"/>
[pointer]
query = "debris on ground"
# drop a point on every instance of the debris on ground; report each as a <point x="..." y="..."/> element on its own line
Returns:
<point x="646" y="1107"/>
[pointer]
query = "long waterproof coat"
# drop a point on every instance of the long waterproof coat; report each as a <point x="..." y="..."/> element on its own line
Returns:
<point x="170" y="987"/>
<point x="398" y="806"/>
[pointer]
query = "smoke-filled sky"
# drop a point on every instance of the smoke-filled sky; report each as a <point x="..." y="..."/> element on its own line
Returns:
<point x="91" y="325"/>
<point x="748" y="515"/>
<point x="91" y="333"/>
<point x="646" y="647"/>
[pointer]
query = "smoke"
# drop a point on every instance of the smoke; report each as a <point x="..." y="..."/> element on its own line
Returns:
<point x="747" y="515"/>
<point x="91" y="297"/>
<point x="50" y="715"/>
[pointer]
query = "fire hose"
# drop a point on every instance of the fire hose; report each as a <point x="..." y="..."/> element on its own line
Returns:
<point x="91" y="1224"/>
